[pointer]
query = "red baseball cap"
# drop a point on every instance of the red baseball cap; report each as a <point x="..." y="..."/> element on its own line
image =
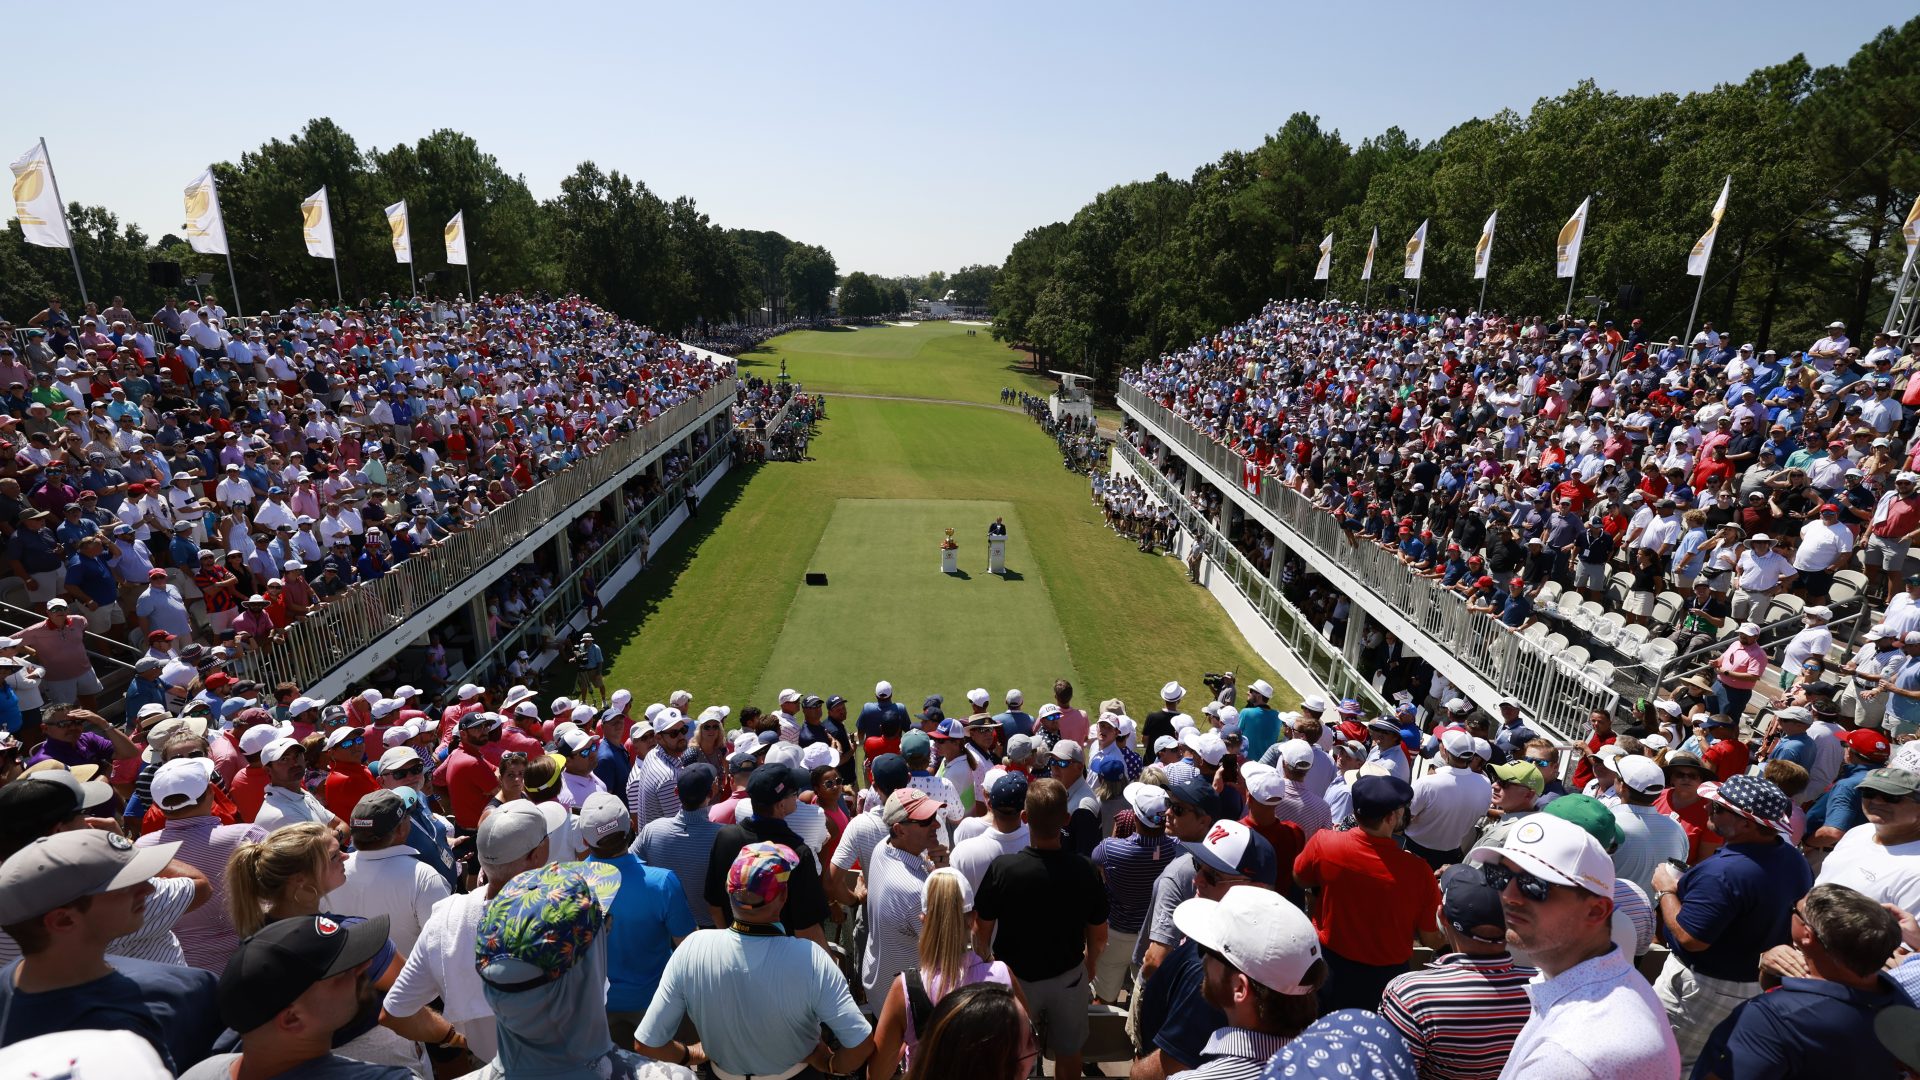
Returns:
<point x="1868" y="744"/>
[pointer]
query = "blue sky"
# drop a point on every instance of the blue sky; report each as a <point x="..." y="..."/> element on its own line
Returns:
<point x="902" y="137"/>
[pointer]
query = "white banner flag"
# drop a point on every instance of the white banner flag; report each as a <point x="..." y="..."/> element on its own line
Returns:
<point x="206" y="230"/>
<point x="1483" y="251"/>
<point x="1703" y="247"/>
<point x="1326" y="259"/>
<point x="316" y="225"/>
<point x="35" y="203"/>
<point x="1567" y="248"/>
<point x="1911" y="230"/>
<point x="1416" y="252"/>
<point x="457" y="240"/>
<point x="1366" y="271"/>
<point x="402" y="236"/>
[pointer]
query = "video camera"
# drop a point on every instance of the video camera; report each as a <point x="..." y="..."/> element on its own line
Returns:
<point x="1216" y="681"/>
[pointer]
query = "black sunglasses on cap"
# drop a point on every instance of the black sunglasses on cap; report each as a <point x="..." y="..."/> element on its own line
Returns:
<point x="1530" y="887"/>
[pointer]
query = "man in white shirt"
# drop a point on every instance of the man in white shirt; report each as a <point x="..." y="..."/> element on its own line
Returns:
<point x="1882" y="858"/>
<point x="286" y="802"/>
<point x="383" y="875"/>
<point x="1447" y="801"/>
<point x="440" y="965"/>
<point x="1759" y="572"/>
<point x="1006" y="834"/>
<point x="1825" y="546"/>
<point x="1647" y="836"/>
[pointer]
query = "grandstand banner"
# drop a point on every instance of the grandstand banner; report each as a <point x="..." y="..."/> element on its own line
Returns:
<point x="1250" y="477"/>
<point x="316" y="225"/>
<point x="1703" y="247"/>
<point x="1567" y="249"/>
<point x="1483" y="251"/>
<point x="205" y="229"/>
<point x="457" y="240"/>
<point x="1416" y="252"/>
<point x="1911" y="230"/>
<point x="36" y="201"/>
<point x="1326" y="259"/>
<point x="1366" y="271"/>
<point x="402" y="236"/>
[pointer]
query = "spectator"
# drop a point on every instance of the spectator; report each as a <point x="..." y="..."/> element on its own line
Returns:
<point x="384" y="876"/>
<point x="1368" y="898"/>
<point x="81" y="737"/>
<point x="63" y="899"/>
<point x="1049" y="911"/>
<point x="648" y="914"/>
<point x="896" y="871"/>
<point x="1647" y="836"/>
<point x="1266" y="789"/>
<point x="59" y="644"/>
<point x="651" y="793"/>
<point x="1881" y="858"/>
<point x="1447" y="802"/>
<point x="348" y="779"/>
<point x="773" y="791"/>
<point x="683" y="844"/>
<point x="1593" y="1014"/>
<point x="1460" y="1016"/>
<point x="286" y="800"/>
<point x="183" y="790"/>
<point x="947" y="963"/>
<point x="1269" y="957"/>
<point x="1129" y="866"/>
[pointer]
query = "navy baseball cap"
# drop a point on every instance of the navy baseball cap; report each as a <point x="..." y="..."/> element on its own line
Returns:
<point x="771" y="783"/>
<point x="695" y="783"/>
<point x="1195" y="792"/>
<point x="1009" y="792"/>
<point x="1377" y="795"/>
<point x="890" y="772"/>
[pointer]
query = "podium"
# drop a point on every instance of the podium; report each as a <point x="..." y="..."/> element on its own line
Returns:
<point x="996" y="554"/>
<point x="949" y="561"/>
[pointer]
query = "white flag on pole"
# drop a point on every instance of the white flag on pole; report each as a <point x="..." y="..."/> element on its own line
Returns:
<point x="457" y="240"/>
<point x="1326" y="259"/>
<point x="1567" y="249"/>
<point x="1911" y="230"/>
<point x="1703" y="247"/>
<point x="402" y="236"/>
<point x="42" y="220"/>
<point x="1416" y="252"/>
<point x="316" y="225"/>
<point x="1483" y="251"/>
<point x="206" y="230"/>
<point x="1366" y="271"/>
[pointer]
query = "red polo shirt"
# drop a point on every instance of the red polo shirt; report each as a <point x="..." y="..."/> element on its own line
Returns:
<point x="347" y="784"/>
<point x="1373" y="895"/>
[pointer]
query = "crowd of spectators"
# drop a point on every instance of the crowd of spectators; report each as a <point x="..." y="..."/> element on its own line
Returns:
<point x="206" y="480"/>
<point x="571" y="889"/>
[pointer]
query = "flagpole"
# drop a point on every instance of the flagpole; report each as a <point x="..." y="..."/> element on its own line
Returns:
<point x="1416" y="293"/>
<point x="333" y="245"/>
<point x="1483" y="291"/>
<point x="231" y="280"/>
<point x="73" y="245"/>
<point x="1571" y="278"/>
<point x="412" y="285"/>
<point x="1697" y="290"/>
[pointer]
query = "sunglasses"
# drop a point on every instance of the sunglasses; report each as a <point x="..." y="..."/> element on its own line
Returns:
<point x="355" y="741"/>
<point x="1214" y="877"/>
<point x="1530" y="887"/>
<point x="1881" y="796"/>
<point x="411" y="770"/>
<point x="189" y="754"/>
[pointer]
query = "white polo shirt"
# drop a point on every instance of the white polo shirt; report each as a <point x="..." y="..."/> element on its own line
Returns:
<point x="1597" y="1018"/>
<point x="973" y="855"/>
<point x="1888" y="875"/>
<point x="392" y="881"/>
<point x="281" y="807"/>
<point x="1761" y="574"/>
<point x="441" y="966"/>
<point x="1447" y="802"/>
<point x="1820" y="544"/>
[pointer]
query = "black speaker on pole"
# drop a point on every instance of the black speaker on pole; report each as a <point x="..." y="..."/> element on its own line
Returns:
<point x="163" y="272"/>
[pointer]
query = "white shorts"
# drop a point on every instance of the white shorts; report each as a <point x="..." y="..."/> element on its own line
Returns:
<point x="69" y="691"/>
<point x="1639" y="603"/>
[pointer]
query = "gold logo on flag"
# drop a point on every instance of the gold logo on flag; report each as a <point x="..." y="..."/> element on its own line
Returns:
<point x="1567" y="232"/>
<point x="397" y="225"/>
<point x="1480" y="249"/>
<point x="310" y="215"/>
<point x="26" y="188"/>
<point x="1413" y="248"/>
<point x="1700" y="245"/>
<point x="198" y="201"/>
<point x="453" y="232"/>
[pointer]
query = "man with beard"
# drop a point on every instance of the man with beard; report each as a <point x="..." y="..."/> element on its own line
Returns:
<point x="652" y="789"/>
<point x="1263" y="971"/>
<point x="286" y="991"/>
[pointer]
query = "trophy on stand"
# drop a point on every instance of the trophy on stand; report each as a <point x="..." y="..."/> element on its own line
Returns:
<point x="997" y="547"/>
<point x="949" y="554"/>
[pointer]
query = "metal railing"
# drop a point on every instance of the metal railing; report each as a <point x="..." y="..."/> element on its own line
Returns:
<point x="568" y="595"/>
<point x="1323" y="658"/>
<point x="1551" y="691"/>
<point x="316" y="644"/>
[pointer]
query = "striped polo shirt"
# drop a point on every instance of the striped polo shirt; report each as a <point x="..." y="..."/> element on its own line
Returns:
<point x="206" y="934"/>
<point x="1131" y="866"/>
<point x="683" y="844"/>
<point x="1461" y="1016"/>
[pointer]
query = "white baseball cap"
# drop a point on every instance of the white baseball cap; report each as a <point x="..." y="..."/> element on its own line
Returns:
<point x="1642" y="774"/>
<point x="259" y="736"/>
<point x="883" y="688"/>
<point x="603" y="814"/>
<point x="1261" y="687"/>
<point x="979" y="696"/>
<point x="814" y="755"/>
<point x="1556" y="850"/>
<point x="1266" y="785"/>
<point x="668" y="719"/>
<point x="399" y="734"/>
<point x="398" y="757"/>
<point x="278" y="749"/>
<point x="1161" y="744"/>
<point x="1209" y="745"/>
<point x="180" y="783"/>
<point x="342" y="734"/>
<point x="1260" y="933"/>
<point x="1015" y="698"/>
<point x="716" y="713"/>
<point x="789" y="695"/>
<point x="1296" y="753"/>
<point x="1173" y="691"/>
<point x="1457" y="742"/>
<point x="469" y="691"/>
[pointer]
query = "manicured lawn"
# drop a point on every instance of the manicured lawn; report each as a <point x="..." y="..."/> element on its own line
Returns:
<point x="724" y="612"/>
<point x="929" y="360"/>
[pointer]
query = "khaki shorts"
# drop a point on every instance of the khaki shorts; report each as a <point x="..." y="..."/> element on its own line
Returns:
<point x="1058" y="1007"/>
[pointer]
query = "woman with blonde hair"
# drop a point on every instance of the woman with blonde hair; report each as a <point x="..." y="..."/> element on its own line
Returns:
<point x="288" y="876"/>
<point x="947" y="963"/>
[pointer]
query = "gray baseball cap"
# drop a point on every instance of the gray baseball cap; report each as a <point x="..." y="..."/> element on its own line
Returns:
<point x="510" y="832"/>
<point x="86" y="793"/>
<point x="56" y="870"/>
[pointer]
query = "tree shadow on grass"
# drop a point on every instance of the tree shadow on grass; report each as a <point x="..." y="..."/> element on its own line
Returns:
<point x="627" y="612"/>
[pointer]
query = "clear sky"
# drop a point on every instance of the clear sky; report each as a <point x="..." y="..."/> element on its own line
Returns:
<point x="903" y="137"/>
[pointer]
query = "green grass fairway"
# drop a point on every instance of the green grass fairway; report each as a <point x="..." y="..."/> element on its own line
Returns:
<point x="875" y="551"/>
<point x="723" y="613"/>
<point x="927" y="360"/>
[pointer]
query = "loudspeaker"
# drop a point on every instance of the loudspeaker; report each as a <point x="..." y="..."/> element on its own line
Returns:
<point x="163" y="272"/>
<point x="1630" y="295"/>
<point x="816" y="579"/>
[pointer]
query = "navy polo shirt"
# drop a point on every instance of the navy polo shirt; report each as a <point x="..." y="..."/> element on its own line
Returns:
<point x="1740" y="899"/>
<point x="1803" y="1027"/>
<point x="1518" y="610"/>
<point x="1174" y="1016"/>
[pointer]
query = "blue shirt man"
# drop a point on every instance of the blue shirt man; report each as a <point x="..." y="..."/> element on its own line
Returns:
<point x="1015" y="721"/>
<point x="1518" y="610"/>
<point x="1739" y="900"/>
<point x="884" y="717"/>
<point x="1259" y="723"/>
<point x="649" y="913"/>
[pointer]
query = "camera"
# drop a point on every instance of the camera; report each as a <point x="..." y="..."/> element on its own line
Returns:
<point x="1215" y="681"/>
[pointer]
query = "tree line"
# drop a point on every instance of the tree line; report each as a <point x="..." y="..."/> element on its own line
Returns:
<point x="605" y="234"/>
<point x="1825" y="164"/>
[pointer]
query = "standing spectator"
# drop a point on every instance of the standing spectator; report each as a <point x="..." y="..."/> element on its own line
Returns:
<point x="772" y="791"/>
<point x="651" y="793"/>
<point x="1300" y="801"/>
<point x="896" y="873"/>
<point x="1725" y="911"/>
<point x="1820" y="1018"/>
<point x="183" y="790"/>
<point x="286" y="800"/>
<point x="1265" y="790"/>
<point x="649" y="914"/>
<point x="1593" y="1014"/>
<point x="1263" y="972"/>
<point x="1738" y="670"/>
<point x="63" y="898"/>
<point x="1129" y="866"/>
<point x="947" y="963"/>
<point x="1006" y="832"/>
<point x="1881" y="859"/>
<point x="385" y="878"/>
<point x="1600" y="733"/>
<point x="1368" y="898"/>
<point x="59" y="643"/>
<point x="684" y="843"/>
<point x="1461" y="1016"/>
<point x="1049" y="911"/>
<point x="38" y="557"/>
<point x="1447" y="802"/>
<point x="790" y="987"/>
<point x="348" y="778"/>
<point x="1647" y="836"/>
